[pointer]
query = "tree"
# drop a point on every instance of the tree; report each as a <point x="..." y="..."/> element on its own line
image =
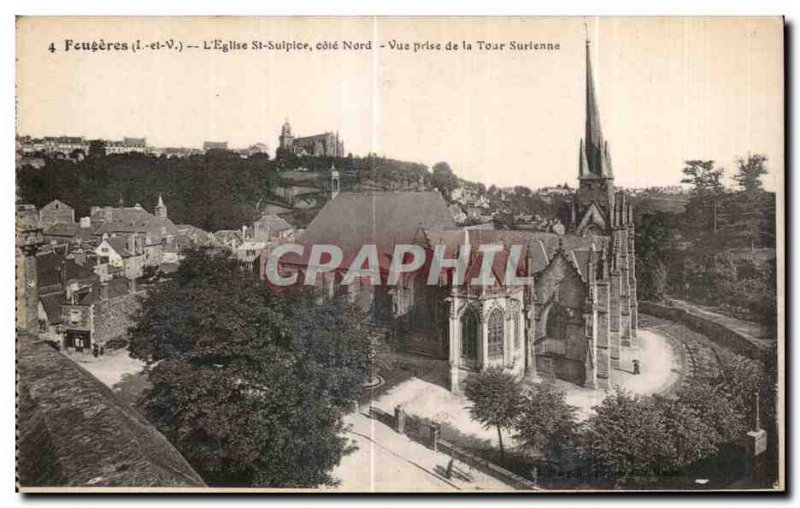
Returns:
<point x="97" y="148"/>
<point x="523" y="191"/>
<point x="706" y="179"/>
<point x="715" y="408"/>
<point x="251" y="385"/>
<point x="496" y="400"/>
<point x="546" y="423"/>
<point x="749" y="173"/>
<point x="707" y="191"/>
<point x="653" y="234"/>
<point x="444" y="179"/>
<point x="643" y="438"/>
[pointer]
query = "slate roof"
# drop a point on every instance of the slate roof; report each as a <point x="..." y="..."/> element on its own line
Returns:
<point x="541" y="245"/>
<point x="353" y="219"/>
<point x="119" y="244"/>
<point x="73" y="431"/>
<point x="272" y="222"/>
<point x="132" y="220"/>
<point x="69" y="231"/>
<point x="49" y="266"/>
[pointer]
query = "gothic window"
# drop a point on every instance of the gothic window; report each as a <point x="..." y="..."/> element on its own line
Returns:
<point x="557" y="323"/>
<point x="469" y="335"/>
<point x="496" y="335"/>
<point x="516" y="330"/>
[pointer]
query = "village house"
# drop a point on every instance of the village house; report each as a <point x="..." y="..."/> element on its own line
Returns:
<point x="56" y="212"/>
<point x="271" y="226"/>
<point x="152" y="231"/>
<point x="122" y="252"/>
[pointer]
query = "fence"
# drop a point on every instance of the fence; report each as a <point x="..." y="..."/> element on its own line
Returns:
<point x="429" y="434"/>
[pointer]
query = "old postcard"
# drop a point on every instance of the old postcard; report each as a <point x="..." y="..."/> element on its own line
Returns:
<point x="377" y="254"/>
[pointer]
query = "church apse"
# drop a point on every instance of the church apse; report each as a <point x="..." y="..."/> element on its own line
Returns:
<point x="558" y="323"/>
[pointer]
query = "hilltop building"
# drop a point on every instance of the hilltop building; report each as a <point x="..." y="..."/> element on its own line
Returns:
<point x="326" y="144"/>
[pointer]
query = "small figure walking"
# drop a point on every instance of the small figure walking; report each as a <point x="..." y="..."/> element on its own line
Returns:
<point x="95" y="350"/>
<point x="636" y="370"/>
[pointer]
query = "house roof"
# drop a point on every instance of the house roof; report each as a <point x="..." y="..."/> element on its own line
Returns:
<point x="131" y="220"/>
<point x="272" y="222"/>
<point x="120" y="246"/>
<point x="70" y="231"/>
<point x="50" y="265"/>
<point x="74" y="431"/>
<point x="56" y="203"/>
<point x="52" y="307"/>
<point x="228" y="236"/>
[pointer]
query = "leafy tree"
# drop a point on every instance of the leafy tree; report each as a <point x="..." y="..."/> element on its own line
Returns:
<point x="706" y="179"/>
<point x="749" y="172"/>
<point x="651" y="277"/>
<point x="496" y="400"/>
<point x="642" y="438"/>
<point x="653" y="234"/>
<point x="546" y="423"/>
<point x="715" y="409"/>
<point x="249" y="384"/>
<point x="522" y="190"/>
<point x="444" y="179"/>
<point x="703" y="207"/>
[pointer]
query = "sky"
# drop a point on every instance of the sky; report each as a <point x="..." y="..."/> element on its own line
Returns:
<point x="669" y="89"/>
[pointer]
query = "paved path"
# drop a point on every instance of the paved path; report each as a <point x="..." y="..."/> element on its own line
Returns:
<point x="390" y="462"/>
<point x="697" y="354"/>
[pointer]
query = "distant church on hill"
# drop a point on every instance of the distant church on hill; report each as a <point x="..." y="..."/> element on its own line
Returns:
<point x="326" y="144"/>
<point x="573" y="322"/>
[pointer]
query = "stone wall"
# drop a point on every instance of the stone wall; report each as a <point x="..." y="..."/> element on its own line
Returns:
<point x="112" y="317"/>
<point x="718" y="333"/>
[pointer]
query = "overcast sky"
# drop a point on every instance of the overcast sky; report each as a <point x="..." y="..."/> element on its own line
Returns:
<point x="669" y="89"/>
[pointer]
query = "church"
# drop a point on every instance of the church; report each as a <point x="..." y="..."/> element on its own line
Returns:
<point x="570" y="320"/>
<point x="326" y="144"/>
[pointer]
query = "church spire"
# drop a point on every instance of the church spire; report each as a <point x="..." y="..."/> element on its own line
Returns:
<point x="160" y="209"/>
<point x="594" y="144"/>
<point x="583" y="164"/>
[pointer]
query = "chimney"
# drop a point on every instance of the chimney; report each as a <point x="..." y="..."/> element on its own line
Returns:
<point x="86" y="222"/>
<point x="131" y="285"/>
<point x="79" y="255"/>
<point x="103" y="290"/>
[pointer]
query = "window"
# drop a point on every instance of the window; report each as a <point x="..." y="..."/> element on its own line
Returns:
<point x="469" y="335"/>
<point x="516" y="330"/>
<point x="496" y="335"/>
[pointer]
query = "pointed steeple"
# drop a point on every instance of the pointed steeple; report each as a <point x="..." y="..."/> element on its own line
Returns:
<point x="160" y="209"/>
<point x="583" y="164"/>
<point x="594" y="133"/>
<point x="608" y="169"/>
